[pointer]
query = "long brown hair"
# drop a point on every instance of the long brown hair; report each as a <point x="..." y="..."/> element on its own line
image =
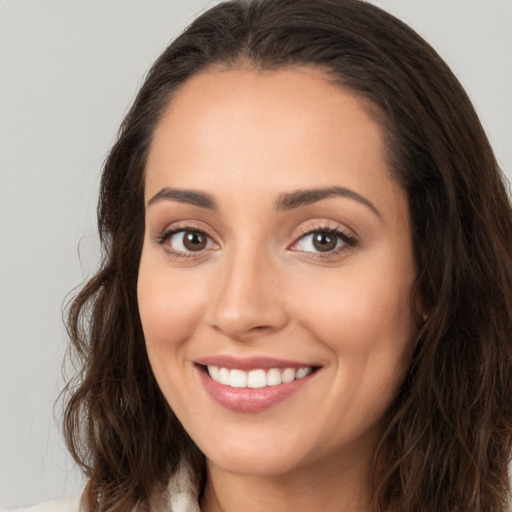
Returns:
<point x="448" y="438"/>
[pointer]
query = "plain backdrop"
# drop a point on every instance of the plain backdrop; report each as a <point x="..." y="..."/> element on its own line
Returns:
<point x="69" y="70"/>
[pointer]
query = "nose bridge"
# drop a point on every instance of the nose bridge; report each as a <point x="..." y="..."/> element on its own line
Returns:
<point x="247" y="299"/>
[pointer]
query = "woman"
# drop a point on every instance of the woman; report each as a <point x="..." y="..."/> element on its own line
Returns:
<point x="305" y="298"/>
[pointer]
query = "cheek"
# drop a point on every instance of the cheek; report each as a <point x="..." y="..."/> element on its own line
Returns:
<point x="164" y="318"/>
<point x="169" y="319"/>
<point x="362" y="314"/>
<point x="357" y="310"/>
<point x="170" y="308"/>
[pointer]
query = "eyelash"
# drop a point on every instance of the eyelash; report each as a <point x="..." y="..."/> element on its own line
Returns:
<point x="348" y="241"/>
<point x="165" y="236"/>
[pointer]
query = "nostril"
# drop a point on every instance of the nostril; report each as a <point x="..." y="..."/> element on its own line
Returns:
<point x="260" y="328"/>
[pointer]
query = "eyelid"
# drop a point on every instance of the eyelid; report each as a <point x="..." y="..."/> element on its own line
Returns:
<point x="163" y="236"/>
<point x="347" y="236"/>
<point x="324" y="225"/>
<point x="169" y="235"/>
<point x="183" y="225"/>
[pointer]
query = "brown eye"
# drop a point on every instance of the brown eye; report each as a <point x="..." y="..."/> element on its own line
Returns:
<point x="194" y="240"/>
<point x="328" y="242"/>
<point x="324" y="242"/>
<point x="187" y="241"/>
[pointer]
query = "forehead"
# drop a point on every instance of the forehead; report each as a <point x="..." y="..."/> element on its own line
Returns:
<point x="263" y="99"/>
<point x="269" y="131"/>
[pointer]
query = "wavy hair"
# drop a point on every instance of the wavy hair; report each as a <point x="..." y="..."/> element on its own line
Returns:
<point x="448" y="439"/>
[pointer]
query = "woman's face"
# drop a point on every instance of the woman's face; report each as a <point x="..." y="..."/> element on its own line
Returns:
<point x="276" y="272"/>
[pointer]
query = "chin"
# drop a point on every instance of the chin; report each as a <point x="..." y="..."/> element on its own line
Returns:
<point x="267" y="464"/>
<point x="260" y="456"/>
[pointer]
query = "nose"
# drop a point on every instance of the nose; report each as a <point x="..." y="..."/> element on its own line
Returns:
<point x="248" y="301"/>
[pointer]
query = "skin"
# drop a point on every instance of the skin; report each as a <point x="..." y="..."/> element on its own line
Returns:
<point x="261" y="288"/>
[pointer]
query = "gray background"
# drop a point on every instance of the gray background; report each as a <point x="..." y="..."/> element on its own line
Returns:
<point x="69" y="69"/>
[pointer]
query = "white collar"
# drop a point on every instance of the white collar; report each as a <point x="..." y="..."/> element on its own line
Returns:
<point x="182" y="494"/>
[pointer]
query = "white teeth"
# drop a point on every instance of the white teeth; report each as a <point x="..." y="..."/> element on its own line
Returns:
<point x="302" y="372"/>
<point x="273" y="377"/>
<point x="238" y="379"/>
<point x="288" y="375"/>
<point x="256" y="378"/>
<point x="214" y="372"/>
<point x="223" y="376"/>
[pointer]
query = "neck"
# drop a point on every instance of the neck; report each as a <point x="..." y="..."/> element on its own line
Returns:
<point x="334" y="487"/>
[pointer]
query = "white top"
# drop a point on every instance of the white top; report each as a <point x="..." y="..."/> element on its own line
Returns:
<point x="181" y="496"/>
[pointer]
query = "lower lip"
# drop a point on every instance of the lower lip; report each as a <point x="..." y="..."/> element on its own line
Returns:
<point x="250" y="399"/>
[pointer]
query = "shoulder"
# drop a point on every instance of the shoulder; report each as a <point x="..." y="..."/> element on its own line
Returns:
<point x="64" y="505"/>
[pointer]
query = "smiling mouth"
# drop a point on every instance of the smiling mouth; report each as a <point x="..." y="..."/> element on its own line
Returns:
<point x="253" y="385"/>
<point x="259" y="378"/>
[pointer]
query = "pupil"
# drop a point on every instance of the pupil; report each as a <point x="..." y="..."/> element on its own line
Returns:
<point x="194" y="241"/>
<point x="324" y="242"/>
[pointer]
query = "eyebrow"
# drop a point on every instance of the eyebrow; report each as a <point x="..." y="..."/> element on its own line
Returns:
<point x="185" y="196"/>
<point x="309" y="196"/>
<point x="288" y="201"/>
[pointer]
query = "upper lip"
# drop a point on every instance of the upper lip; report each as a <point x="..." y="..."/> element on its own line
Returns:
<point x="250" y="363"/>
